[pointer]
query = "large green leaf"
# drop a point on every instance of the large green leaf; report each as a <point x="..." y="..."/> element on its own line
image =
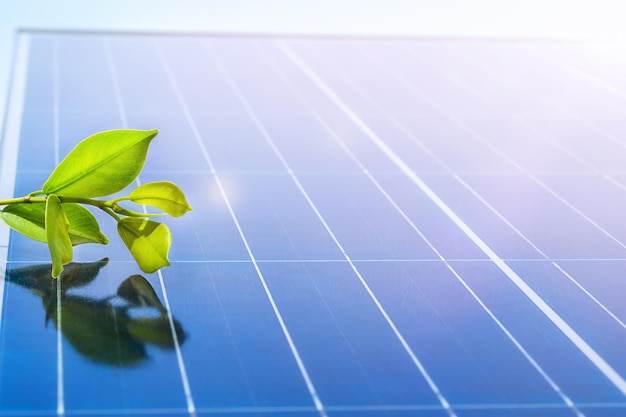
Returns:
<point x="163" y="195"/>
<point x="149" y="242"/>
<point x="29" y="220"/>
<point x="57" y="234"/>
<point x="100" y="165"/>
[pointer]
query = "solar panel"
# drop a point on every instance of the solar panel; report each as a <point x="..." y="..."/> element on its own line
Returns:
<point x="381" y="227"/>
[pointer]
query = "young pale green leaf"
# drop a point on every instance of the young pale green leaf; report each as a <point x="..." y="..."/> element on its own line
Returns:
<point x="149" y="242"/>
<point x="57" y="234"/>
<point x="163" y="195"/>
<point x="29" y="220"/>
<point x="101" y="164"/>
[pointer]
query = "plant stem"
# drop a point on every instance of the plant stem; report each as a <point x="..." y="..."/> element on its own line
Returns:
<point x="110" y="212"/>
<point x="23" y="200"/>
<point x="110" y="207"/>
<point x="29" y="199"/>
<point x="96" y="203"/>
<point x="103" y="205"/>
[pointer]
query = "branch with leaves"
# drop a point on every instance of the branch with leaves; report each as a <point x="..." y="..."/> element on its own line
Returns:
<point x="99" y="166"/>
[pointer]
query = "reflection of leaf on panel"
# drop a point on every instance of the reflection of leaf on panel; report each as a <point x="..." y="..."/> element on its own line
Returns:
<point x="156" y="331"/>
<point x="97" y="331"/>
<point x="37" y="278"/>
<point x="112" y="330"/>
<point x="139" y="293"/>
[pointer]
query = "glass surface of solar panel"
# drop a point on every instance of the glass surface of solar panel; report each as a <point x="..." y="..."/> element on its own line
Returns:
<point x="399" y="227"/>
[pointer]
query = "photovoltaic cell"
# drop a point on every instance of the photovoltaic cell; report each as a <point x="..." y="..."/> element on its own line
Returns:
<point x="381" y="227"/>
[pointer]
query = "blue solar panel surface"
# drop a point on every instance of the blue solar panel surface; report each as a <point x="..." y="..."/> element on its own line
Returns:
<point x="405" y="227"/>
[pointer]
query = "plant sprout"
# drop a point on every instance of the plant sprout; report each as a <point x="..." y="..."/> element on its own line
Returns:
<point x="100" y="165"/>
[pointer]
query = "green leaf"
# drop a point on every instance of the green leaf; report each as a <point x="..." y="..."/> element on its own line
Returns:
<point x="84" y="227"/>
<point x="57" y="233"/>
<point x="97" y="331"/>
<point x="100" y="165"/>
<point x="163" y="195"/>
<point x="29" y="220"/>
<point x="149" y="242"/>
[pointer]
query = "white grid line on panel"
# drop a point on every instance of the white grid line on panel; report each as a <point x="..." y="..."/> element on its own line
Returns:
<point x="198" y="137"/>
<point x="549" y="312"/>
<point x="487" y="310"/>
<point x="9" y="143"/>
<point x="287" y="409"/>
<point x="577" y="72"/>
<point x="456" y="79"/>
<point x="191" y="408"/>
<point x="472" y="90"/>
<point x="117" y="91"/>
<point x="60" y="378"/>
<point x="476" y="135"/>
<point x="529" y="89"/>
<point x="56" y="100"/>
<point x="305" y="260"/>
<point x="592" y="355"/>
<point x="419" y="143"/>
<point x="235" y="88"/>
